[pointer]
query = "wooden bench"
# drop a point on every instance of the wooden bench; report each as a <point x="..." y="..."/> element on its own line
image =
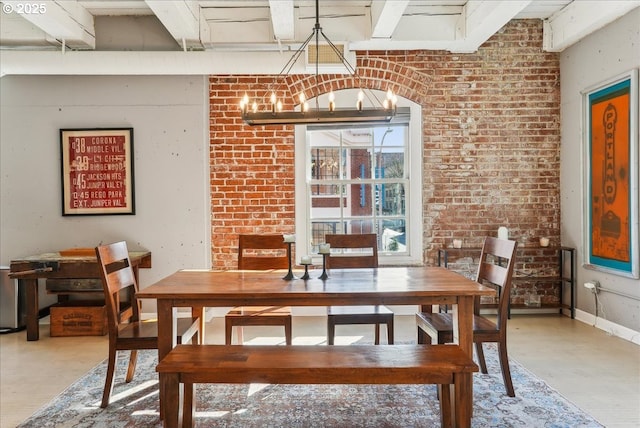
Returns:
<point x="442" y="365"/>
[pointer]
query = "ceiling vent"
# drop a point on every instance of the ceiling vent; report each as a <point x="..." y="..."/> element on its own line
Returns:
<point x="328" y="60"/>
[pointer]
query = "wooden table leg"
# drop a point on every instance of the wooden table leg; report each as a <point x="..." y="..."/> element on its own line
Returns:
<point x="166" y="341"/>
<point x="31" y="293"/>
<point x="463" y="336"/>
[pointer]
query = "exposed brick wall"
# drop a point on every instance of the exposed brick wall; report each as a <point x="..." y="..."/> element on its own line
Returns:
<point x="491" y="136"/>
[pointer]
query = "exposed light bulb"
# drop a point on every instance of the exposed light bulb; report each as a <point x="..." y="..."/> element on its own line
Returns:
<point x="360" y="99"/>
<point x="332" y="103"/>
<point x="244" y="103"/>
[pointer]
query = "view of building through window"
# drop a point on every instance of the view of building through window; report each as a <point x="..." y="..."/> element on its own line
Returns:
<point x="358" y="183"/>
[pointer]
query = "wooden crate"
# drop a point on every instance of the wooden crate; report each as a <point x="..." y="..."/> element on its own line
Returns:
<point x="79" y="318"/>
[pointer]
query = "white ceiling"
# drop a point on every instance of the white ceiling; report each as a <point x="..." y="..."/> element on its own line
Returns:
<point x="214" y="36"/>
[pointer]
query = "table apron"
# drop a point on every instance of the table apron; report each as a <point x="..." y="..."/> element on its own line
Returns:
<point x="310" y="301"/>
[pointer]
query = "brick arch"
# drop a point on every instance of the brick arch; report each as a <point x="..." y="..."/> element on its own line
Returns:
<point x="372" y="73"/>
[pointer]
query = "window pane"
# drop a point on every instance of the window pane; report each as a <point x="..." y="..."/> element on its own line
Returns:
<point x="353" y="226"/>
<point x="357" y="163"/>
<point x="389" y="146"/>
<point x="325" y="165"/>
<point x="358" y="182"/>
<point x="390" y="199"/>
<point x="393" y="236"/>
<point x="318" y="231"/>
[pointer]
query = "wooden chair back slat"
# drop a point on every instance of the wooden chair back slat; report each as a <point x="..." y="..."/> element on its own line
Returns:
<point x="359" y="251"/>
<point x="117" y="276"/>
<point x="262" y="252"/>
<point x="496" y="266"/>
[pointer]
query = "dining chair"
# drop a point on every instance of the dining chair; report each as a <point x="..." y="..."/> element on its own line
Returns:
<point x="127" y="332"/>
<point x="260" y="252"/>
<point x="495" y="269"/>
<point x="356" y="251"/>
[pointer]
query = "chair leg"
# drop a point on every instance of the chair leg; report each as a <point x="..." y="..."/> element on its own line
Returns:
<point x="198" y="313"/>
<point x="108" y="383"/>
<point x="228" y="329"/>
<point x="377" y="334"/>
<point x="506" y="372"/>
<point x="239" y="336"/>
<point x="423" y="337"/>
<point x="390" y="332"/>
<point x="331" y="331"/>
<point x="133" y="359"/>
<point x="287" y="333"/>
<point x="480" y="354"/>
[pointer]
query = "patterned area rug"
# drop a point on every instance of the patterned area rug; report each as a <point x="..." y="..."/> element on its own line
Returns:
<point x="259" y="405"/>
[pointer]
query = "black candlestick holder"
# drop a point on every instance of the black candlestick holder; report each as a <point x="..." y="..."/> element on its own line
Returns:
<point x="306" y="272"/>
<point x="324" y="267"/>
<point x="289" y="276"/>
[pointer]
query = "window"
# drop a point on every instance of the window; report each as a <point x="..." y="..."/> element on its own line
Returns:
<point x="357" y="183"/>
<point x="355" y="179"/>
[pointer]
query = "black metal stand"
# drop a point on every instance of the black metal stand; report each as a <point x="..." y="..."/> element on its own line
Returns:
<point x="289" y="275"/>
<point x="324" y="267"/>
<point x="306" y="273"/>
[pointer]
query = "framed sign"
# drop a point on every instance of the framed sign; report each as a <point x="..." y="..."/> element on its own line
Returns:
<point x="611" y="179"/>
<point x="97" y="171"/>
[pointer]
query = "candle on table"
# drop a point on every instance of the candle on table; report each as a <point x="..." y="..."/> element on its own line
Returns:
<point x="324" y="249"/>
<point x="289" y="238"/>
<point x="305" y="260"/>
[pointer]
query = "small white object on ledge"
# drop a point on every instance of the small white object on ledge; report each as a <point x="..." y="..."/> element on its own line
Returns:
<point x="544" y="242"/>
<point x="289" y="238"/>
<point x="503" y="233"/>
<point x="324" y="248"/>
<point x="457" y="243"/>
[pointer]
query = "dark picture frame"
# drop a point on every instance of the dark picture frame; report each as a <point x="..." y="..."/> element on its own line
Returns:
<point x="611" y="176"/>
<point x="97" y="171"/>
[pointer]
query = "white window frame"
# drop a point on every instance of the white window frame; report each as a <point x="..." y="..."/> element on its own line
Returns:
<point x="414" y="253"/>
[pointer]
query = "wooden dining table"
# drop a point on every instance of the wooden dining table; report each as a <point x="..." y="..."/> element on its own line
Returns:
<point x="381" y="286"/>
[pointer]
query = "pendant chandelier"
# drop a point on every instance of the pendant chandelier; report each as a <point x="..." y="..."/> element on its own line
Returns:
<point x="274" y="115"/>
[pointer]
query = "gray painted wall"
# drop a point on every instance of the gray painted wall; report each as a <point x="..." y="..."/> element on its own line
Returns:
<point x="611" y="51"/>
<point x="169" y="116"/>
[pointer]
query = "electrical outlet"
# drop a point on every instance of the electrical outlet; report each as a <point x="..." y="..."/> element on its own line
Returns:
<point x="594" y="286"/>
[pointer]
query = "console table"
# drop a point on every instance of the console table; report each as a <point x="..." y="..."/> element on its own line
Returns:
<point x="566" y="276"/>
<point x="29" y="269"/>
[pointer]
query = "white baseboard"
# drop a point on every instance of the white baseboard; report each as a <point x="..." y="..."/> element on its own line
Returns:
<point x="611" y="328"/>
